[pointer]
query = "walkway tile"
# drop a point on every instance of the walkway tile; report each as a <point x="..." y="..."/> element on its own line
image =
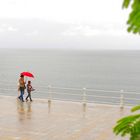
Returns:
<point x="60" y="120"/>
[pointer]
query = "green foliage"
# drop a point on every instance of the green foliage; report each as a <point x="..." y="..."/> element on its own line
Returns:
<point x="126" y="3"/>
<point x="134" y="16"/>
<point x="129" y="125"/>
<point x="135" y="108"/>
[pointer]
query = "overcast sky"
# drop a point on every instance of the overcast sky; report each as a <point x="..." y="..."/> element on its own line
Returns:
<point x="80" y="24"/>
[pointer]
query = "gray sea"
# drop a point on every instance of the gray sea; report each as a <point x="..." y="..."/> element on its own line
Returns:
<point x="77" y="69"/>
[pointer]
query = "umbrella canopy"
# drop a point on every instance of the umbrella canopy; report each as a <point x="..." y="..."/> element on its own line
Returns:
<point x="28" y="74"/>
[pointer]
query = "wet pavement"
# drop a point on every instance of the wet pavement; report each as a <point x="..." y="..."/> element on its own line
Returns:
<point x="57" y="120"/>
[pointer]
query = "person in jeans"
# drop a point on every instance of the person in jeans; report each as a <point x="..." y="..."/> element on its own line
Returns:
<point x="29" y="89"/>
<point x="21" y="87"/>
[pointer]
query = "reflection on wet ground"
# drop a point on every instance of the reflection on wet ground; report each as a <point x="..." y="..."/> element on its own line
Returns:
<point x="24" y="110"/>
<point x="57" y="120"/>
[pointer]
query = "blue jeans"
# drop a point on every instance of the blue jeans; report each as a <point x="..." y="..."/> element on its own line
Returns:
<point x="21" y="94"/>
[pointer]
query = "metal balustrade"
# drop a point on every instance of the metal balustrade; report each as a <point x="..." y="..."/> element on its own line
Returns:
<point x="83" y="95"/>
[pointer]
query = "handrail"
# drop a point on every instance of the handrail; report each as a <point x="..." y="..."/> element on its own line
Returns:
<point x="68" y="88"/>
<point x="78" y="89"/>
<point x="98" y="90"/>
<point x="88" y="95"/>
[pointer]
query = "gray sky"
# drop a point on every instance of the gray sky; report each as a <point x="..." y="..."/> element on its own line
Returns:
<point x="79" y="24"/>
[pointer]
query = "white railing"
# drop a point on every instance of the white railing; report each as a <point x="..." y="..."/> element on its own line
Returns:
<point x="97" y="96"/>
<point x="83" y="95"/>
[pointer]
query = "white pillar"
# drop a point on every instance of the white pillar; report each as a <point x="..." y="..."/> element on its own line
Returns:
<point x="121" y="99"/>
<point x="50" y="94"/>
<point x="84" y="96"/>
<point x="84" y="102"/>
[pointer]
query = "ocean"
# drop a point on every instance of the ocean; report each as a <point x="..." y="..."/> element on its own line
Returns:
<point x="108" y="70"/>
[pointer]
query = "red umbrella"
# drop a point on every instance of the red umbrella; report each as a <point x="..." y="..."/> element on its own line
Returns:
<point x="28" y="74"/>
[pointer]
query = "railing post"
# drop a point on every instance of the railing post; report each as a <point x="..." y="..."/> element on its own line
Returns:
<point x="50" y="94"/>
<point x="122" y="99"/>
<point x="84" y="97"/>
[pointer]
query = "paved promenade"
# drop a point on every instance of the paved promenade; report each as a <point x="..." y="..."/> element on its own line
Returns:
<point x="59" y="120"/>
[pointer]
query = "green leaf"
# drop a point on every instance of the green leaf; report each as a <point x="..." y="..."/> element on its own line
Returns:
<point x="129" y="125"/>
<point x="135" y="108"/>
<point x="126" y="3"/>
<point x="134" y="16"/>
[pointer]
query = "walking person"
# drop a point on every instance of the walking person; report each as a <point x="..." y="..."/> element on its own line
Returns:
<point x="21" y="87"/>
<point x="29" y="90"/>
